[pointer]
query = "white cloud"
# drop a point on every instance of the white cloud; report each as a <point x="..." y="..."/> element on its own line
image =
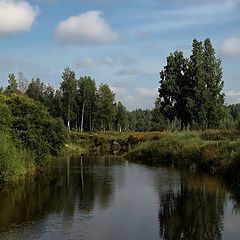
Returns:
<point x="146" y="92"/>
<point x="232" y="96"/>
<point x="89" y="62"/>
<point x="231" y="47"/>
<point x="89" y="28"/>
<point x="16" y="16"/>
<point x="138" y="97"/>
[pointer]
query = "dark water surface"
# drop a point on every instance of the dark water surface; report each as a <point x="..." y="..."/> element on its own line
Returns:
<point x="111" y="198"/>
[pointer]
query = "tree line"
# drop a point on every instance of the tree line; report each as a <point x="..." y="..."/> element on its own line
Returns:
<point x="83" y="106"/>
<point x="190" y="97"/>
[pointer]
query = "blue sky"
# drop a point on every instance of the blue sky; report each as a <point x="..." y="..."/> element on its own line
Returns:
<point x="123" y="43"/>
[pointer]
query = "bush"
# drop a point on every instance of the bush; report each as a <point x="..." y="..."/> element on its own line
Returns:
<point x="32" y="127"/>
<point x="5" y="115"/>
<point x="13" y="161"/>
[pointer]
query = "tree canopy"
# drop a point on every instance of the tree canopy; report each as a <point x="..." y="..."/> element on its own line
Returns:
<point x="191" y="88"/>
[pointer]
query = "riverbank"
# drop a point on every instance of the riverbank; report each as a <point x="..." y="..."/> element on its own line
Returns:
<point x="214" y="151"/>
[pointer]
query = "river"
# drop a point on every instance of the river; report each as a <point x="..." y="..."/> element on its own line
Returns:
<point x="111" y="198"/>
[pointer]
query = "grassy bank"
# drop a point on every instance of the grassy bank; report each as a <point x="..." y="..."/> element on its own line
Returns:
<point x="14" y="161"/>
<point x="214" y="151"/>
<point x="119" y="142"/>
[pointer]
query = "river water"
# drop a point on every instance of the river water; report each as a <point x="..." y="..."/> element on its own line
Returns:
<point x="111" y="198"/>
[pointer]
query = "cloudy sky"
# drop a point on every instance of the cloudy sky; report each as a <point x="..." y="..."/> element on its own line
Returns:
<point x="121" y="42"/>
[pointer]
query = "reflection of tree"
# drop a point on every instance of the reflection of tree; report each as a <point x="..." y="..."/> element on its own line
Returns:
<point x="189" y="212"/>
<point x="235" y="197"/>
<point x="96" y="183"/>
<point x="73" y="183"/>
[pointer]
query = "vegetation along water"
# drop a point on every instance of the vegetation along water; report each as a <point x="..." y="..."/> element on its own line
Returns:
<point x="191" y="129"/>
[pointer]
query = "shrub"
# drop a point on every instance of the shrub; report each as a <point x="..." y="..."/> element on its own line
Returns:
<point x="33" y="128"/>
<point x="13" y="160"/>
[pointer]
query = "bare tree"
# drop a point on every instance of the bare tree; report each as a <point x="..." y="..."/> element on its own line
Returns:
<point x="22" y="82"/>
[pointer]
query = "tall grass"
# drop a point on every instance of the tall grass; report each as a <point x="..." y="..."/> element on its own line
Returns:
<point x="216" y="151"/>
<point x="14" y="161"/>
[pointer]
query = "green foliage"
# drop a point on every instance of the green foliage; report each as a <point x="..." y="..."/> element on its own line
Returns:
<point x="87" y="100"/>
<point x="207" y="73"/>
<point x="220" y="135"/>
<point x="12" y="84"/>
<point x="158" y="121"/>
<point x="85" y="107"/>
<point x="31" y="128"/>
<point x="5" y="115"/>
<point x="143" y="120"/>
<point x="69" y="96"/>
<point x="191" y="89"/>
<point x="121" y="117"/>
<point x="35" y="90"/>
<point x="46" y="95"/>
<point x="132" y="121"/>
<point x="216" y="151"/>
<point x="175" y="89"/>
<point x="13" y="161"/>
<point x="105" y="107"/>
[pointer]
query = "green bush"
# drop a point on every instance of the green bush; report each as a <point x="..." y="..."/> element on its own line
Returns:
<point x="27" y="127"/>
<point x="13" y="161"/>
<point x="5" y="115"/>
<point x="34" y="128"/>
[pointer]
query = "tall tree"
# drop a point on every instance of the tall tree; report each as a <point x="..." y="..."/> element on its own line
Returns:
<point x="121" y="117"/>
<point x="12" y="84"/>
<point x="158" y="122"/>
<point x="143" y="120"/>
<point x="57" y="104"/>
<point x="35" y="90"/>
<point x="174" y="89"/>
<point x="206" y="72"/>
<point x="132" y="121"/>
<point x="105" y="106"/>
<point x="69" y="95"/>
<point x="191" y="89"/>
<point x="42" y="93"/>
<point x="86" y="99"/>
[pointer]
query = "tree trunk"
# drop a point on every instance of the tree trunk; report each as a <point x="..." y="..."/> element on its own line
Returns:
<point x="90" y="122"/>
<point x="68" y="120"/>
<point x="82" y="117"/>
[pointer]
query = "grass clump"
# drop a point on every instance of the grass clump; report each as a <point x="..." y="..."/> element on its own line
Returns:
<point x="177" y="148"/>
<point x="214" y="151"/>
<point x="14" y="161"/>
<point x="221" y="134"/>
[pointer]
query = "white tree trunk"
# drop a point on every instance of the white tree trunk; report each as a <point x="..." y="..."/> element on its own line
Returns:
<point x="82" y="117"/>
<point x="68" y="117"/>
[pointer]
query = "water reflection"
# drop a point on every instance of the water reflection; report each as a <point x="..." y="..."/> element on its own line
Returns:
<point x="191" y="208"/>
<point x="110" y="198"/>
<point x="86" y="183"/>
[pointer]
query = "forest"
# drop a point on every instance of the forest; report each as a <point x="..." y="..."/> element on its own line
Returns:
<point x="35" y="118"/>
